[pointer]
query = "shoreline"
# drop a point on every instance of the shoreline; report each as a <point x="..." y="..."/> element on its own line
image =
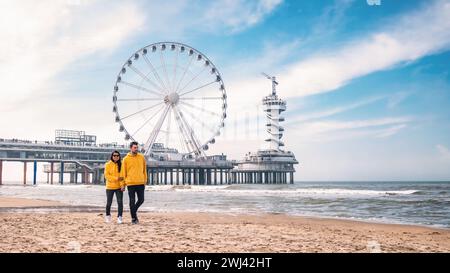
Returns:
<point x="24" y="205"/>
<point x="207" y="232"/>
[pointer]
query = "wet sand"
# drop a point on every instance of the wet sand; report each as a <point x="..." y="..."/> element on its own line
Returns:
<point x="205" y="232"/>
<point x="9" y="202"/>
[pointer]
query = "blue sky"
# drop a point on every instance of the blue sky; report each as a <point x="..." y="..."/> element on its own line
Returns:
<point x="367" y="87"/>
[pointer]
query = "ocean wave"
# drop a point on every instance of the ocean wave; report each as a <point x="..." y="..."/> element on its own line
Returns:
<point x="182" y="188"/>
<point x="228" y="189"/>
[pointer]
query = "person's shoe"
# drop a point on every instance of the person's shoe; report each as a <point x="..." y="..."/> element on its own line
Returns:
<point x="137" y="220"/>
<point x="107" y="218"/>
<point x="119" y="220"/>
<point x="134" y="222"/>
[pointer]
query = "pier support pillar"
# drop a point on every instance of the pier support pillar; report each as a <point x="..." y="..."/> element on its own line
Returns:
<point x="208" y="177"/>
<point x="197" y="171"/>
<point x="189" y="177"/>
<point x="292" y="178"/>
<point x="34" y="172"/>
<point x="201" y="177"/>
<point x="25" y="173"/>
<point x="1" y="172"/>
<point x="51" y="172"/>
<point x="61" y="174"/>
<point x="86" y="176"/>
<point x="150" y="176"/>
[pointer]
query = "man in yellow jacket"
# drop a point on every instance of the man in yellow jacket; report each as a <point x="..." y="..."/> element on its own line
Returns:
<point x="134" y="173"/>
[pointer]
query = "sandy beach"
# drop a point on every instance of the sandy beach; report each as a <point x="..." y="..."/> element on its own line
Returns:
<point x="204" y="232"/>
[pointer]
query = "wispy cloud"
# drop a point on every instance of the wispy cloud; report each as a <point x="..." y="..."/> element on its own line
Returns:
<point x="443" y="151"/>
<point x="239" y="14"/>
<point x="397" y="98"/>
<point x="334" y="130"/>
<point x="336" y="110"/>
<point x="406" y="38"/>
<point x="180" y="18"/>
<point x="409" y="37"/>
<point x="41" y="39"/>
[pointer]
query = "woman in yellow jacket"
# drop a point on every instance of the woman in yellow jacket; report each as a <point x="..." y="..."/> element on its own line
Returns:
<point x="114" y="184"/>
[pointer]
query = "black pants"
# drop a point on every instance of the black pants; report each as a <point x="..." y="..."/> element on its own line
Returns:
<point x="109" y="199"/>
<point x="132" y="192"/>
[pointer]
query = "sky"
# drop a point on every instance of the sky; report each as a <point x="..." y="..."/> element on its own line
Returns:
<point x="367" y="83"/>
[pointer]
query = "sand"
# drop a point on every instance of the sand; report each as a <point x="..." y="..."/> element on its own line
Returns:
<point x="8" y="202"/>
<point x="205" y="232"/>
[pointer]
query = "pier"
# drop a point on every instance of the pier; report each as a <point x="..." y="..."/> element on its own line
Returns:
<point x="88" y="162"/>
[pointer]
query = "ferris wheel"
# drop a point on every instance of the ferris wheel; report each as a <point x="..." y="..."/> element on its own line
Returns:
<point x="170" y="93"/>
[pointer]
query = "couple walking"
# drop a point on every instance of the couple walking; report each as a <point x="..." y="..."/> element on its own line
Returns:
<point x="131" y="172"/>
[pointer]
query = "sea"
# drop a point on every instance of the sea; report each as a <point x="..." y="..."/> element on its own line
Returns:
<point x="414" y="203"/>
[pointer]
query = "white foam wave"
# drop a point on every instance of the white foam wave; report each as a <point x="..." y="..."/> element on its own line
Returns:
<point x="314" y="191"/>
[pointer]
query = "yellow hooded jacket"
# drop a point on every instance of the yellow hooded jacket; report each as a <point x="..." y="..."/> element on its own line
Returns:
<point x="112" y="176"/>
<point x="134" y="169"/>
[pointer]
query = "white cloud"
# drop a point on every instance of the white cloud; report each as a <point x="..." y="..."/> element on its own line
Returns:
<point x="397" y="98"/>
<point x="42" y="38"/>
<point x="238" y="14"/>
<point x="335" y="111"/>
<point x="391" y="131"/>
<point x="180" y="18"/>
<point x="443" y="151"/>
<point x="320" y="131"/>
<point x="409" y="37"/>
<point x="406" y="38"/>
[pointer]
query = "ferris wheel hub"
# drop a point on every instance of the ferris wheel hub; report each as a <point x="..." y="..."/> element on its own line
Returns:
<point x="172" y="98"/>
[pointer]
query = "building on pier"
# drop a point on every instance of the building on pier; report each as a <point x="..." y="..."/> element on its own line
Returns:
<point x="271" y="165"/>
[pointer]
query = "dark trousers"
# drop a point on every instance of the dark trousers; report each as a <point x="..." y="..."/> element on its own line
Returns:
<point x="109" y="199"/>
<point x="132" y="192"/>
